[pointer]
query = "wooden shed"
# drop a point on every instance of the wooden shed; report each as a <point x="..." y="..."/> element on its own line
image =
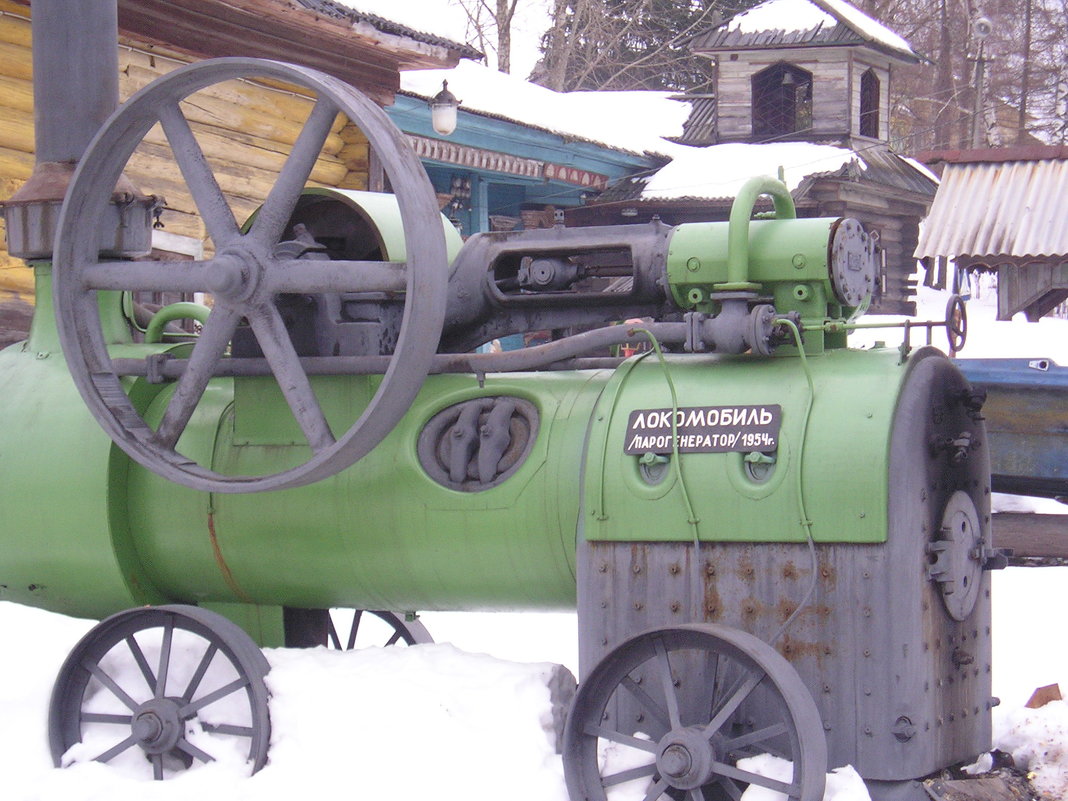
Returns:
<point x="245" y="129"/>
<point x="1002" y="210"/>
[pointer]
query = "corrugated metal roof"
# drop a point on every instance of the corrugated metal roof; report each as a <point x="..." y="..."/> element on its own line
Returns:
<point x="1014" y="209"/>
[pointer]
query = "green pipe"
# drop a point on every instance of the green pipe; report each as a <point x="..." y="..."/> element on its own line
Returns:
<point x="174" y="311"/>
<point x="738" y="231"/>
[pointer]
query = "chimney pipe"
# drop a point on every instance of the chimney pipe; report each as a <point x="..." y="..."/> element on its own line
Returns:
<point x="75" y="89"/>
<point x="75" y="74"/>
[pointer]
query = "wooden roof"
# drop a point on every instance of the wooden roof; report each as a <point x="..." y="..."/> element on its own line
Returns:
<point x="361" y="49"/>
<point x="843" y="25"/>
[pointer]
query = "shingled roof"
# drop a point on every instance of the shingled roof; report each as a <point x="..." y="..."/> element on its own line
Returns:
<point x="798" y="23"/>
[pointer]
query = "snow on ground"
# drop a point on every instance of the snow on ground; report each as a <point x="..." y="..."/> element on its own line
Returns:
<point x="424" y="722"/>
<point x="459" y="725"/>
<point x="435" y="721"/>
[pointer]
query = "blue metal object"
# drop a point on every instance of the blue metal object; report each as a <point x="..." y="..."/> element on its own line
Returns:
<point x="1026" y="420"/>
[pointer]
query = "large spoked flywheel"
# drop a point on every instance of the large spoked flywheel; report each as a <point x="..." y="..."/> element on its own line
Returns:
<point x="247" y="272"/>
<point x="695" y="712"/>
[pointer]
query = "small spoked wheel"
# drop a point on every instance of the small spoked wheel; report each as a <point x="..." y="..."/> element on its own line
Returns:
<point x="157" y="689"/>
<point x="350" y="629"/>
<point x="956" y="323"/>
<point x="245" y="276"/>
<point x="688" y="713"/>
<point x="357" y="628"/>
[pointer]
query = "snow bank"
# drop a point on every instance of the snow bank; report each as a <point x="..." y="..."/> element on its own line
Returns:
<point x="1038" y="742"/>
<point x="431" y="719"/>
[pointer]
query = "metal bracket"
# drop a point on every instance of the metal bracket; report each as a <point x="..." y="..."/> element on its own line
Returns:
<point x="154" y="367"/>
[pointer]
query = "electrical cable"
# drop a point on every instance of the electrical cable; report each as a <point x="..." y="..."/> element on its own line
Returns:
<point x="691" y="515"/>
<point x="806" y="523"/>
<point x="692" y="518"/>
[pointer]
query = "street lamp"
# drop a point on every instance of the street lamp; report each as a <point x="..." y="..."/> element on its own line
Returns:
<point x="443" y="107"/>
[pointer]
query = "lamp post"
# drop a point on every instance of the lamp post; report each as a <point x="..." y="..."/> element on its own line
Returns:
<point x="981" y="28"/>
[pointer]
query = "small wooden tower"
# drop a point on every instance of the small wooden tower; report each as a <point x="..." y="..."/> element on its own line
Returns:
<point x="800" y="70"/>
<point x="794" y="79"/>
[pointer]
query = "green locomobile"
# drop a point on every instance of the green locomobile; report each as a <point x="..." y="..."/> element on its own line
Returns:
<point x="776" y="544"/>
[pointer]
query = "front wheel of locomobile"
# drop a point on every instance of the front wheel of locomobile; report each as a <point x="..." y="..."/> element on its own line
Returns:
<point x="158" y="688"/>
<point x="675" y="712"/>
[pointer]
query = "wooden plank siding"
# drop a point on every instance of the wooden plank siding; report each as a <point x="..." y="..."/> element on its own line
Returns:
<point x="862" y="62"/>
<point x="245" y="130"/>
<point x="831" y="89"/>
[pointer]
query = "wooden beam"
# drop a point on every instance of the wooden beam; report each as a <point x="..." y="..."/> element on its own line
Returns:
<point x="275" y="29"/>
<point x="1031" y="534"/>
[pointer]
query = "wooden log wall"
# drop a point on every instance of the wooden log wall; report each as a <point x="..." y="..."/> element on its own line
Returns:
<point x="245" y="130"/>
<point x="896" y="218"/>
<point x="16" y="159"/>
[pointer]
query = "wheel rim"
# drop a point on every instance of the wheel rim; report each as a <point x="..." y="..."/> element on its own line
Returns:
<point x="175" y="684"/>
<point x="956" y="323"/>
<point x="678" y="708"/>
<point x="348" y="629"/>
<point x="245" y="276"/>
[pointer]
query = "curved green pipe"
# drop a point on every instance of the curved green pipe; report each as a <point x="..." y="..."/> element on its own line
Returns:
<point x="174" y="311"/>
<point x="738" y="231"/>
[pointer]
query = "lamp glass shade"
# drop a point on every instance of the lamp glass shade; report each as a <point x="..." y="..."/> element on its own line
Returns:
<point x="443" y="107"/>
<point x="443" y="118"/>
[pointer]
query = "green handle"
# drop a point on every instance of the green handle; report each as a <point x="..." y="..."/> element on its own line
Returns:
<point x="738" y="231"/>
<point x="174" y="311"/>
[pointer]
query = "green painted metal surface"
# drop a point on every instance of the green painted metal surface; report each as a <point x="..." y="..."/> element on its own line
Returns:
<point x="787" y="259"/>
<point x="72" y="550"/>
<point x="381" y="212"/>
<point x="843" y="457"/>
<point x="381" y="534"/>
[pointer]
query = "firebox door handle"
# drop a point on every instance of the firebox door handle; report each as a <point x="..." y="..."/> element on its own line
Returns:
<point x="464" y="436"/>
<point x="496" y="436"/>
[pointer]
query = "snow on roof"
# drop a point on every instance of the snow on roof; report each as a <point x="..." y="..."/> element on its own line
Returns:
<point x="721" y="170"/>
<point x="866" y="26"/>
<point x="632" y="121"/>
<point x="806" y="15"/>
<point x="780" y="15"/>
<point x="429" y="17"/>
<point x="922" y="168"/>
